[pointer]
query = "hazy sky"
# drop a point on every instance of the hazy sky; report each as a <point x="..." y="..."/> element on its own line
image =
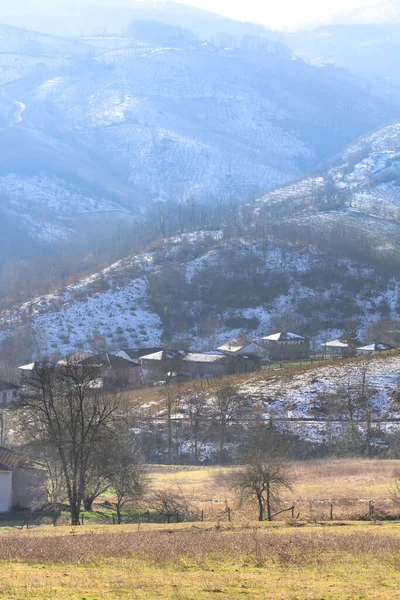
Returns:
<point x="58" y="16"/>
<point x="280" y="13"/>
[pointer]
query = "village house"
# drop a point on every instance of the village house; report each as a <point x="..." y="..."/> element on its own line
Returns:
<point x="339" y="347"/>
<point x="287" y="346"/>
<point x="22" y="483"/>
<point x="241" y="347"/>
<point x="116" y="370"/>
<point x="373" y="349"/>
<point x="206" y="365"/>
<point x="25" y="372"/>
<point x="8" y="393"/>
<point x="161" y="366"/>
<point x="112" y="369"/>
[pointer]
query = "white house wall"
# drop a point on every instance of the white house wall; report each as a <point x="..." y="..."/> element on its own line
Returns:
<point x="29" y="488"/>
<point x="5" y="491"/>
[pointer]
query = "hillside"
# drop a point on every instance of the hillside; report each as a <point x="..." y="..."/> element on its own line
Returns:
<point x="308" y="256"/>
<point x="367" y="50"/>
<point x="310" y="401"/>
<point x="106" y="127"/>
<point x="364" y="178"/>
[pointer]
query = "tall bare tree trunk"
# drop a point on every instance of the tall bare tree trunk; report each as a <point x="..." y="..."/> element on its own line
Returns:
<point x="268" y="502"/>
<point x="260" y="507"/>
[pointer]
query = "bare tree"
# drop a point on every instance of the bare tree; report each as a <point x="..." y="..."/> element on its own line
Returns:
<point x="170" y="400"/>
<point x="97" y="482"/>
<point x="197" y="407"/>
<point x="168" y="502"/>
<point x="354" y="401"/>
<point x="126" y="471"/>
<point x="65" y="411"/>
<point x="265" y="473"/>
<point x="225" y="404"/>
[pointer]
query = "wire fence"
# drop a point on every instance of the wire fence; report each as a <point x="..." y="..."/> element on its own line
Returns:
<point x="346" y="509"/>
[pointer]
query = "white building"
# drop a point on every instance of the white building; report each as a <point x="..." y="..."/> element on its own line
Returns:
<point x="22" y="484"/>
<point x="373" y="349"/>
<point x="287" y="345"/>
<point x="8" y="393"/>
<point x="241" y="347"/>
<point x="339" y="347"/>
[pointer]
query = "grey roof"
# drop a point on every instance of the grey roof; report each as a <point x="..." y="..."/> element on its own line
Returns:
<point x="110" y="361"/>
<point x="9" y="459"/>
<point x="378" y="347"/>
<point x="339" y="343"/>
<point x="164" y="355"/>
<point x="201" y="357"/>
<point x="136" y="353"/>
<point x="284" y="336"/>
<point x="237" y="344"/>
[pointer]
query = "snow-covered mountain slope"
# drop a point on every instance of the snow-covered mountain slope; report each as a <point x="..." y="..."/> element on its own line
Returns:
<point x="200" y="289"/>
<point x="365" y="178"/>
<point x="313" y="254"/>
<point x="110" y="125"/>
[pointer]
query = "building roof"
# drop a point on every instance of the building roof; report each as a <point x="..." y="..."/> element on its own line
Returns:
<point x="284" y="336"/>
<point x="109" y="361"/>
<point x="106" y="360"/>
<point x="75" y="357"/>
<point x="29" y="367"/>
<point x="201" y="357"/>
<point x="337" y="344"/>
<point x="9" y="459"/>
<point x="116" y="362"/>
<point x="164" y="355"/>
<point x="378" y="347"/>
<point x="6" y="385"/>
<point x="237" y="344"/>
<point x="136" y="353"/>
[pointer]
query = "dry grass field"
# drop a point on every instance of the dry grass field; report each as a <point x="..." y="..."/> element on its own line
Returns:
<point x="200" y="562"/>
<point x="302" y="559"/>
<point x="347" y="483"/>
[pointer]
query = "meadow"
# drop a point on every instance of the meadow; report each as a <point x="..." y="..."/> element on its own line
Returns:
<point x="290" y="559"/>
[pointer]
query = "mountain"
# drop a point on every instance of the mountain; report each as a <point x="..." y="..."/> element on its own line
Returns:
<point x="365" y="178"/>
<point x="94" y="17"/>
<point x="368" y="50"/>
<point x="99" y="129"/>
<point x="308" y="256"/>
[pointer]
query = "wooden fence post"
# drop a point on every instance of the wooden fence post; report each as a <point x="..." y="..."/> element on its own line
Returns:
<point x="202" y="515"/>
<point x="229" y="514"/>
<point x="371" y="509"/>
<point x="293" y="512"/>
<point x="83" y="519"/>
<point x="331" y="514"/>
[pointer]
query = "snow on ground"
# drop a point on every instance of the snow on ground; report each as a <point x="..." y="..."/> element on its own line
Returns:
<point x="52" y="193"/>
<point x="306" y="395"/>
<point x="122" y="318"/>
